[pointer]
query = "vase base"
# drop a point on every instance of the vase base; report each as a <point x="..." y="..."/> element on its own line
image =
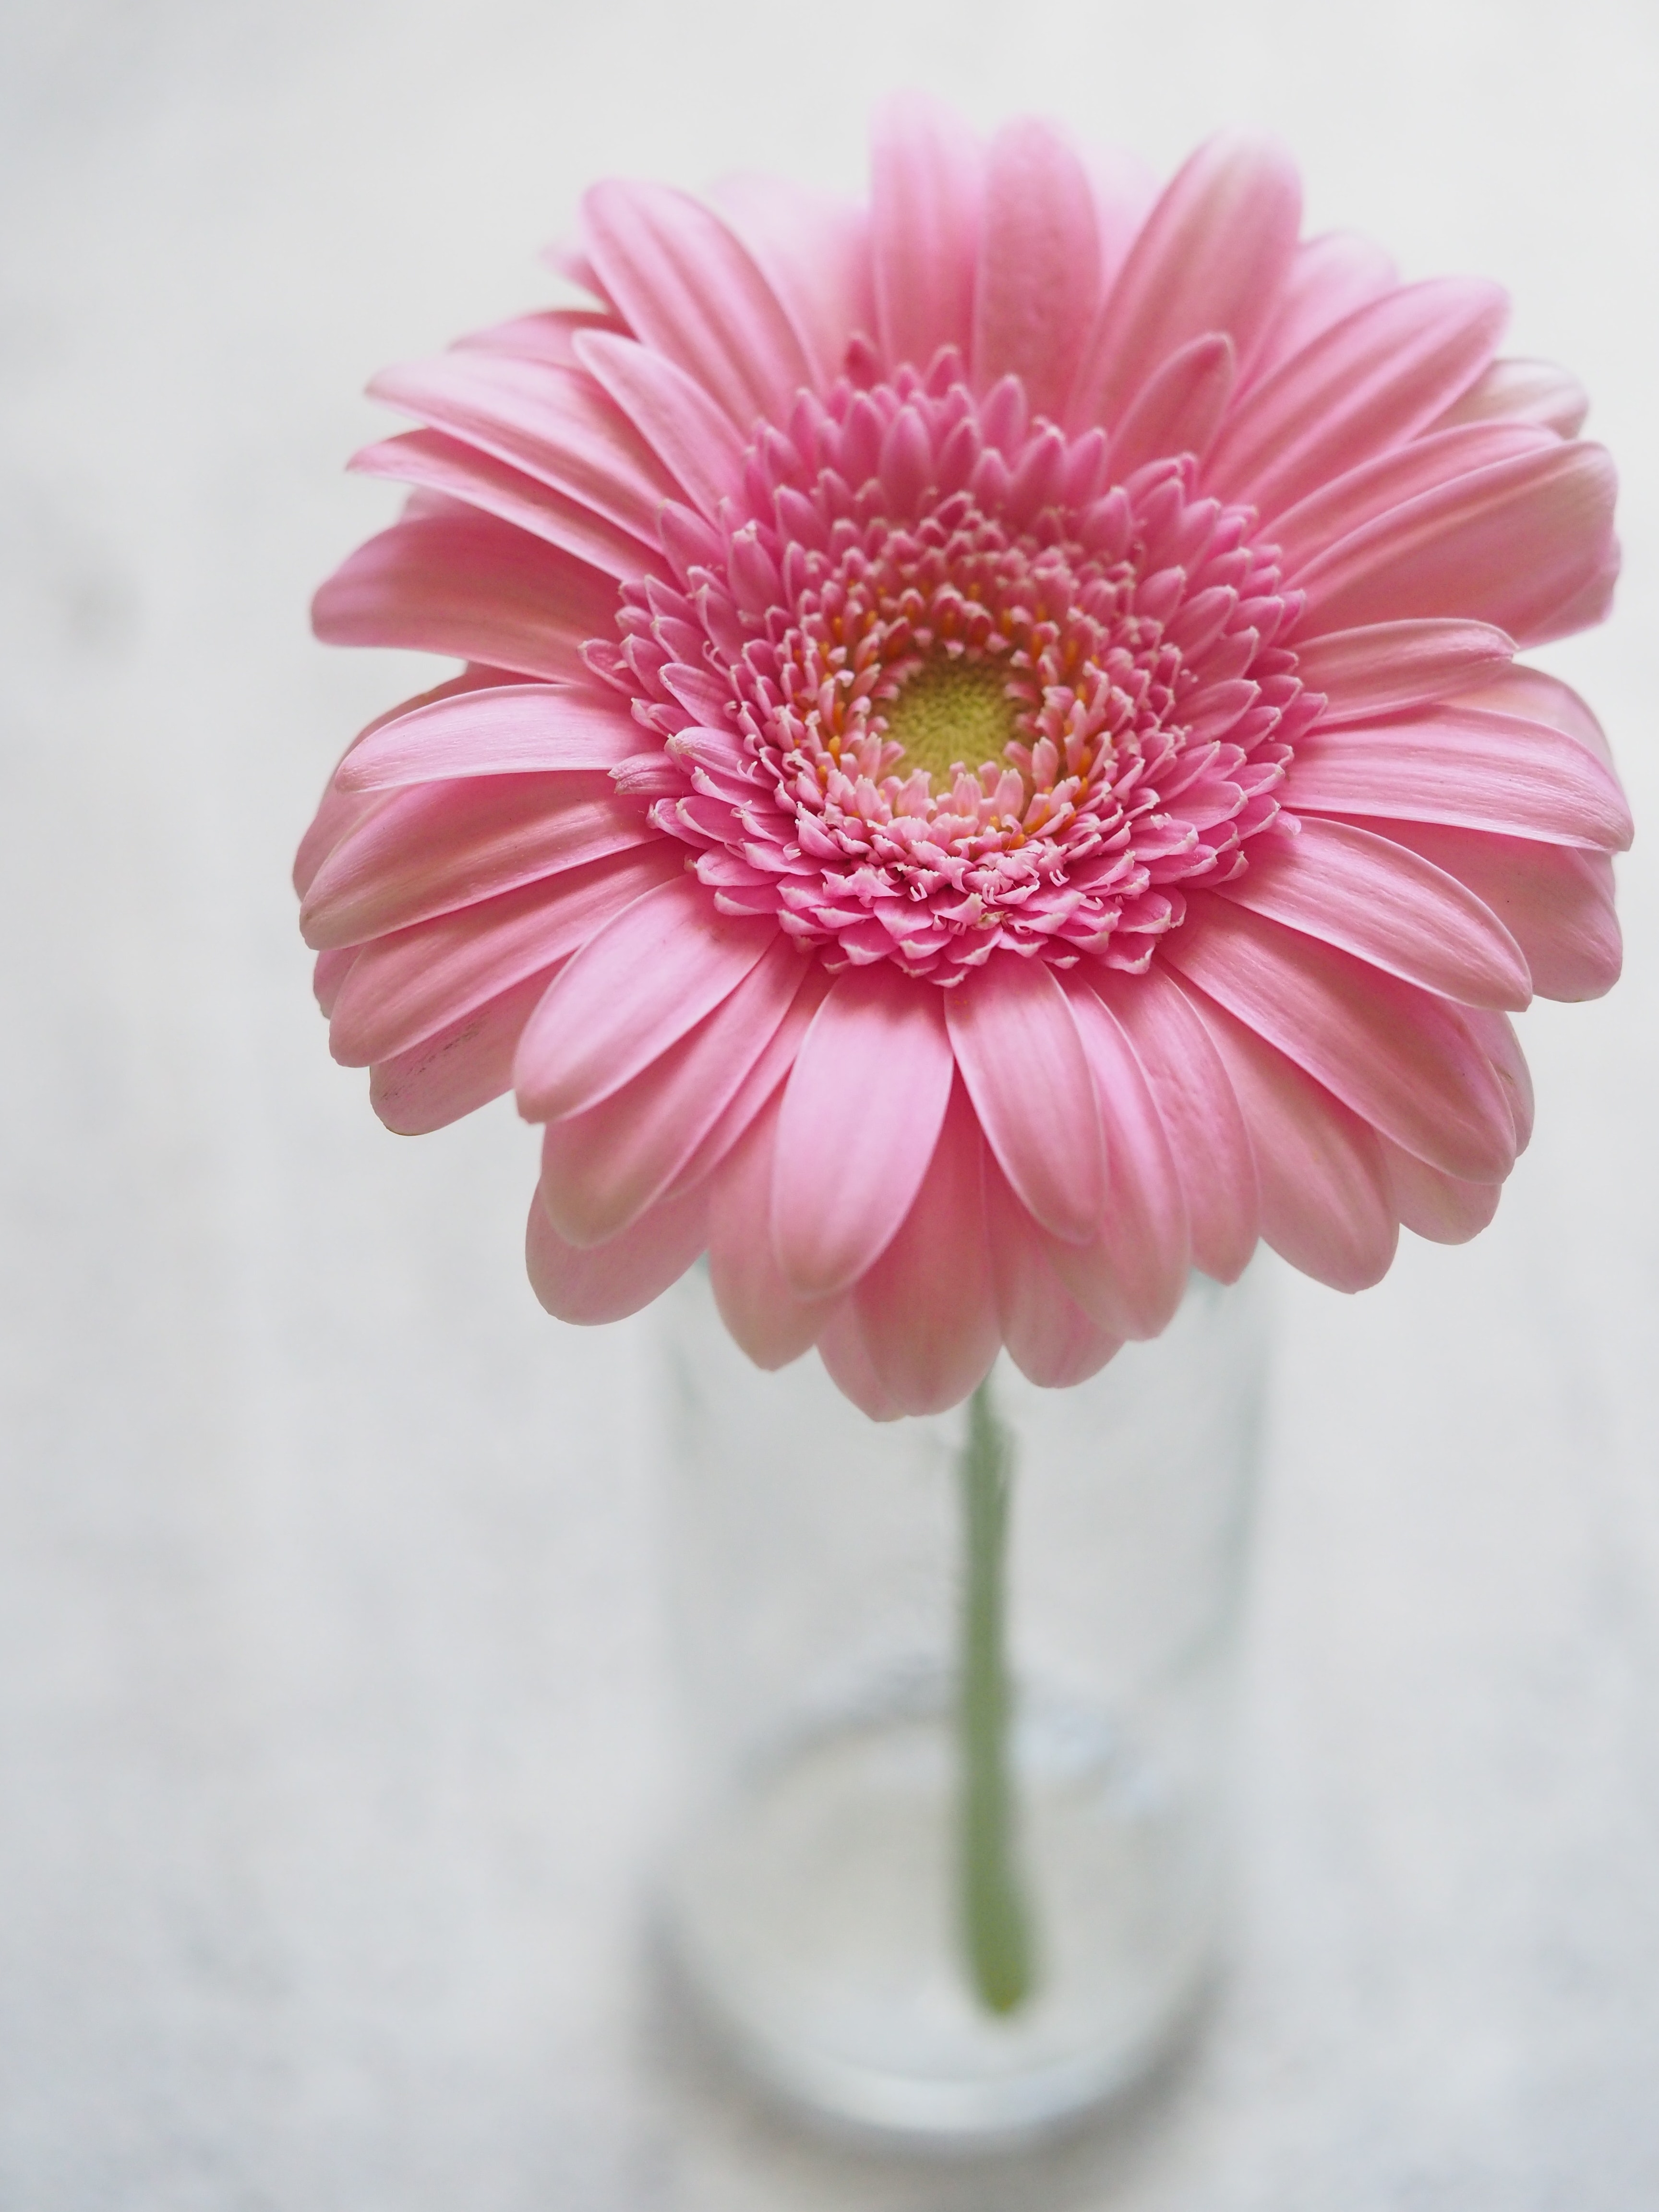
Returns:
<point x="817" y="1933"/>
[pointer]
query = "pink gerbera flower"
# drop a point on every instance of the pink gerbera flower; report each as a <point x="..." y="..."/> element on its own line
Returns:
<point x="991" y="769"/>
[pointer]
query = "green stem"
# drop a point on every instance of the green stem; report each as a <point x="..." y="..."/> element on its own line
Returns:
<point x="995" y="1924"/>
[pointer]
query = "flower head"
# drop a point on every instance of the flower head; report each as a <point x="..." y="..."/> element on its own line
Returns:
<point x="990" y="768"/>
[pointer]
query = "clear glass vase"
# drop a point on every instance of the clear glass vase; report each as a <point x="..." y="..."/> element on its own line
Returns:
<point x="950" y="1861"/>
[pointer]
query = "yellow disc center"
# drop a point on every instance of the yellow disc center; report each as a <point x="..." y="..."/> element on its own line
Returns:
<point x="951" y="714"/>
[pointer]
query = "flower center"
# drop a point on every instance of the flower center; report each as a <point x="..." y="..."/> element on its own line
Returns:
<point x="952" y="713"/>
<point x="938" y="687"/>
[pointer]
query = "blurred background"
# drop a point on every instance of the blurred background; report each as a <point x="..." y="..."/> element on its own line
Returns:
<point x="329" y="1728"/>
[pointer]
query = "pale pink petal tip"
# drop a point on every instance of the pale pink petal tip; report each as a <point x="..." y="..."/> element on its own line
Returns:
<point x="991" y="768"/>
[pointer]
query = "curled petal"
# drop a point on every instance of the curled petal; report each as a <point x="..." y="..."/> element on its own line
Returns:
<point x="607" y="1282"/>
<point x="1050" y="1339"/>
<point x="1328" y="277"/>
<point x="1437" y="1205"/>
<point x="1145" y="1229"/>
<point x="686" y="286"/>
<point x="926" y="196"/>
<point x="1494" y="1034"/>
<point x="1555" y="900"/>
<point x="1524" y="391"/>
<point x="1200" y="1114"/>
<point x="1367" y="671"/>
<point x="1339" y="510"/>
<point x="508" y="730"/>
<point x="405" y="989"/>
<point x="1179" y="407"/>
<point x="433" y="847"/>
<point x="926" y="1308"/>
<point x="1016" y="1040"/>
<point x="631" y="992"/>
<point x="773" y="1325"/>
<point x="1327" y="1206"/>
<point x="1532" y="695"/>
<point x="466" y="585"/>
<point x="689" y="436"/>
<point x="1470" y="768"/>
<point x="1211" y="256"/>
<point x="1387" y="905"/>
<point x="552" y="423"/>
<point x="328" y="973"/>
<point x="1378" y="377"/>
<point x="845" y="1352"/>
<point x="444" y="466"/>
<point x="1405" y="1061"/>
<point x="1516" y="544"/>
<point x="603" y="1167"/>
<point x="861" y="1114"/>
<point x="1033" y="305"/>
<point x="461" y="1068"/>
<point x="815" y="253"/>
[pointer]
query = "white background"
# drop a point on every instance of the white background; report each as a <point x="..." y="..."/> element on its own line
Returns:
<point x="327" y="1748"/>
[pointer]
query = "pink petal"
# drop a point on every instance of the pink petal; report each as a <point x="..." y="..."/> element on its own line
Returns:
<point x="469" y="586"/>
<point x="1462" y="765"/>
<point x="770" y="1323"/>
<point x="342" y="807"/>
<point x="602" y="1169"/>
<point x="1524" y="391"/>
<point x="1511" y="544"/>
<point x="513" y="729"/>
<point x="927" y="191"/>
<point x="404" y="989"/>
<point x="463" y="1066"/>
<point x="1494" y="1034"/>
<point x="762" y="1083"/>
<point x="1403" y="1059"/>
<point x="1178" y="408"/>
<point x="691" y="292"/>
<point x="1328" y="277"/>
<point x="1325" y="1203"/>
<point x="633" y="990"/>
<point x="437" y="464"/>
<point x="553" y="425"/>
<point x="1212" y="257"/>
<point x="1034" y="304"/>
<point x="1145" y="1229"/>
<point x="1399" y="664"/>
<point x="1376" y="378"/>
<point x="1125" y="191"/>
<point x="338" y="813"/>
<point x="1201" y="1116"/>
<point x="577" y="268"/>
<point x="1016" y="1040"/>
<point x="927" y="1309"/>
<point x="548" y="335"/>
<point x="1556" y="901"/>
<point x="1536" y="696"/>
<point x="1436" y="1206"/>
<point x="440" y="846"/>
<point x="1388" y="906"/>
<point x="1050" y="1339"/>
<point x="688" y="434"/>
<point x="328" y="973"/>
<point x="607" y="1282"/>
<point x="814" y="251"/>
<point x="1377" y="489"/>
<point x="861" y="1114"/>
<point x="846" y="1356"/>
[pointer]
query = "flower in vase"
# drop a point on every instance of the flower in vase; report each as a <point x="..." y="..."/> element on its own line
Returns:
<point x="990" y="769"/>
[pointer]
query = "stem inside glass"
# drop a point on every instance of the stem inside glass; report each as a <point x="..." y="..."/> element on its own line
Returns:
<point x="996" y="1922"/>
